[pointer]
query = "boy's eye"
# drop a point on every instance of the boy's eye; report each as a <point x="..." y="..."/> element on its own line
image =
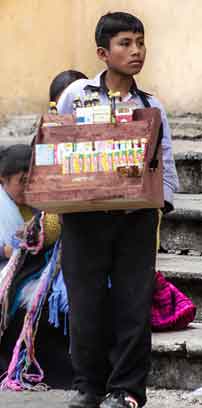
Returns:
<point x="125" y="43"/>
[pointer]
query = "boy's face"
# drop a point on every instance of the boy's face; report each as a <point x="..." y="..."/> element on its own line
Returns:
<point x="126" y="53"/>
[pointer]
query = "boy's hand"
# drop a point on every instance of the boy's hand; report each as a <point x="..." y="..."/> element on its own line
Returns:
<point x="8" y="250"/>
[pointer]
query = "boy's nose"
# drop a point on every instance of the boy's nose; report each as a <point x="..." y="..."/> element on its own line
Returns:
<point x="135" y="50"/>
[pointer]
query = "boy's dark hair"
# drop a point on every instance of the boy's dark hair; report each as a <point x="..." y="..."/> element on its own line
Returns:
<point x="62" y="80"/>
<point x="113" y="23"/>
<point x="14" y="159"/>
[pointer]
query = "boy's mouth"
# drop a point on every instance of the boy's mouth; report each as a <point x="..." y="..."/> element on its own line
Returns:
<point x="135" y="62"/>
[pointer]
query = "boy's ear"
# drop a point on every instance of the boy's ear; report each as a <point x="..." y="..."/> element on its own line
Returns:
<point x="102" y="53"/>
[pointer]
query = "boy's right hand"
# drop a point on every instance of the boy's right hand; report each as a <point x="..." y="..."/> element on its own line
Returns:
<point x="8" y="250"/>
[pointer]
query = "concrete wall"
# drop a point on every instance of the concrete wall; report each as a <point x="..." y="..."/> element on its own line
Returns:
<point x="38" y="39"/>
<point x="34" y="47"/>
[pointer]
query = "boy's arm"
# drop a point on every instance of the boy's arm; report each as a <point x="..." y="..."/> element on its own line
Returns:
<point x="170" y="178"/>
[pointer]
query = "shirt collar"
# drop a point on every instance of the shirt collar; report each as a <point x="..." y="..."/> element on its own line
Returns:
<point x="99" y="84"/>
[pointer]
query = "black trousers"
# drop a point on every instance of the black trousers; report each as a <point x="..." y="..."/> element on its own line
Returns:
<point x="112" y="355"/>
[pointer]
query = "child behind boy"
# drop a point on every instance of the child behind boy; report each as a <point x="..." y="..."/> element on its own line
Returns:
<point x="62" y="81"/>
<point x="116" y="244"/>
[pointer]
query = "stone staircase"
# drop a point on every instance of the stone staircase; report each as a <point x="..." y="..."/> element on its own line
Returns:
<point x="176" y="356"/>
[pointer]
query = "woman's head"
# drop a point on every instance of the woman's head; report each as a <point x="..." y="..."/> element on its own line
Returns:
<point x="14" y="165"/>
<point x="61" y="81"/>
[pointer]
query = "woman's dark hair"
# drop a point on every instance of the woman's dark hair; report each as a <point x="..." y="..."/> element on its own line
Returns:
<point x="62" y="80"/>
<point x="111" y="24"/>
<point x="14" y="159"/>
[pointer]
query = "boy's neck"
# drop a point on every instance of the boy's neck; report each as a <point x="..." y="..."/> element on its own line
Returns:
<point x="118" y="83"/>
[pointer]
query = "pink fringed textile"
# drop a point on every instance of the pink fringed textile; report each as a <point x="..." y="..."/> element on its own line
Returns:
<point x="7" y="275"/>
<point x="31" y="240"/>
<point x="24" y="371"/>
<point x="19" y="377"/>
<point x="171" y="309"/>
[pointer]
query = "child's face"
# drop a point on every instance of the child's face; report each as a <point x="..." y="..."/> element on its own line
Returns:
<point x="14" y="186"/>
<point x="126" y="53"/>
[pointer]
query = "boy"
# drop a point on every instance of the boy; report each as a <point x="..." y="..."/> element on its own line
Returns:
<point x="116" y="243"/>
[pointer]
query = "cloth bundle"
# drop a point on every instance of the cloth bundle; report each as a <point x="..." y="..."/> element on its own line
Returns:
<point x="171" y="309"/>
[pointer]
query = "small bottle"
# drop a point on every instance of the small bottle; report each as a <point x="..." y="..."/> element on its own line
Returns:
<point x="77" y="103"/>
<point x="87" y="101"/>
<point x="52" y="108"/>
<point x="112" y="97"/>
<point x="95" y="99"/>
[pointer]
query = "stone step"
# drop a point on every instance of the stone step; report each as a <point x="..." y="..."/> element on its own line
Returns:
<point x="177" y="359"/>
<point x="165" y="398"/>
<point x="186" y="127"/>
<point x="57" y="399"/>
<point x="188" y="159"/>
<point x="181" y="230"/>
<point x="17" y="129"/>
<point x="185" y="272"/>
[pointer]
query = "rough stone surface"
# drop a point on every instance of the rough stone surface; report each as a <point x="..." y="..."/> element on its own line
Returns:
<point x="181" y="230"/>
<point x="189" y="168"/>
<point x="177" y="359"/>
<point x="186" y="127"/>
<point x="17" y="129"/>
<point x="56" y="399"/>
<point x="187" y="268"/>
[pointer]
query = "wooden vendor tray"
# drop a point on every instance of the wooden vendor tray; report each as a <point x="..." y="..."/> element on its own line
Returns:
<point x="48" y="189"/>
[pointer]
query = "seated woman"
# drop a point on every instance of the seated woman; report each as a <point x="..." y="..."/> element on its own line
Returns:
<point x="25" y="275"/>
<point x="11" y="193"/>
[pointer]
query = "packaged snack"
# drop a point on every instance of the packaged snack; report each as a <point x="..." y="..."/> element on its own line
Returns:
<point x="109" y="161"/>
<point x="83" y="147"/>
<point x="94" y="161"/>
<point x="129" y="144"/>
<point x="122" y="144"/>
<point x="144" y="144"/>
<point x="84" y="116"/>
<point x="103" y="164"/>
<point x="44" y="154"/>
<point x="86" y="162"/>
<point x="123" y="158"/>
<point x="130" y="157"/>
<point x="99" y="145"/>
<point x="66" y="165"/>
<point x="116" y="145"/>
<point x="115" y="159"/>
<point x="61" y="150"/>
<point x="124" y="114"/>
<point x="74" y="163"/>
<point x="109" y="145"/>
<point x="101" y="114"/>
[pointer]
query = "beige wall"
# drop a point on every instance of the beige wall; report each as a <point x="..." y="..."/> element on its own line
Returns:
<point x="39" y="38"/>
<point x="34" y="47"/>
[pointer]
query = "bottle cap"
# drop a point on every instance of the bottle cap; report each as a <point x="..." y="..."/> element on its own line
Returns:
<point x="52" y="104"/>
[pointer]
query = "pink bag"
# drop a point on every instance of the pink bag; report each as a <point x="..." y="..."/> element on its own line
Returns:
<point x="171" y="309"/>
